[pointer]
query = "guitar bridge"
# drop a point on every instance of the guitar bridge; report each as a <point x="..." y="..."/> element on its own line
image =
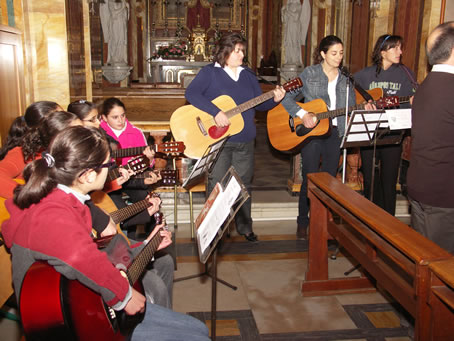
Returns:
<point x="201" y="127"/>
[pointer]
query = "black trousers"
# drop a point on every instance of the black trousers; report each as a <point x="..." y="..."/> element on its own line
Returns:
<point x="385" y="178"/>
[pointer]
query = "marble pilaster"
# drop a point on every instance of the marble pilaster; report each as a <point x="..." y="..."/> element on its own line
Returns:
<point x="46" y="51"/>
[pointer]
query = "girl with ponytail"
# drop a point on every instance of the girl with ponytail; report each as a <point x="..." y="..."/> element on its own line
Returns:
<point x="50" y="222"/>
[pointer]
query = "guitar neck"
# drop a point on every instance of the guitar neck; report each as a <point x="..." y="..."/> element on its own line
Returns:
<point x="143" y="258"/>
<point x="250" y="104"/>
<point x="125" y="152"/>
<point x="124" y="213"/>
<point x="340" y="112"/>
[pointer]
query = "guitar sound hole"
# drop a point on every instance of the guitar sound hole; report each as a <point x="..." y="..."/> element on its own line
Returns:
<point x="217" y="132"/>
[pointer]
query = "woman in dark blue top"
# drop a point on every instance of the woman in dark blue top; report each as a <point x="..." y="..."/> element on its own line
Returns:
<point x="227" y="76"/>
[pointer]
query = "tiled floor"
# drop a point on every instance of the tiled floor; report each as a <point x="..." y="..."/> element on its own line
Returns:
<point x="268" y="304"/>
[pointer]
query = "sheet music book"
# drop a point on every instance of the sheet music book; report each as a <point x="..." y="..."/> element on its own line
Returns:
<point x="215" y="212"/>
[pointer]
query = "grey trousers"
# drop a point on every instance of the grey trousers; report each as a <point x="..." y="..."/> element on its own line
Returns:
<point x="241" y="157"/>
<point x="434" y="223"/>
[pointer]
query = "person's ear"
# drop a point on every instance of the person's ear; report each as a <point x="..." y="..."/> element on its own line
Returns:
<point x="88" y="177"/>
<point x="323" y="54"/>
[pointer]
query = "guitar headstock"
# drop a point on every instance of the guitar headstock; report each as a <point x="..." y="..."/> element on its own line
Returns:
<point x="170" y="148"/>
<point x="138" y="164"/>
<point x="293" y="84"/>
<point x="168" y="177"/>
<point x="387" y="102"/>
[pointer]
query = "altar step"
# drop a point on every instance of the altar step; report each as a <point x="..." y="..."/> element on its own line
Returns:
<point x="266" y="206"/>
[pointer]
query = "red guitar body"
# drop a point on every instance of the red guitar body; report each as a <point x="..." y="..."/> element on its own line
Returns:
<point x="55" y="308"/>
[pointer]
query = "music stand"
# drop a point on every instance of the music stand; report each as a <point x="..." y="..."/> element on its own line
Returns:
<point x="204" y="165"/>
<point x="220" y="209"/>
<point x="371" y="128"/>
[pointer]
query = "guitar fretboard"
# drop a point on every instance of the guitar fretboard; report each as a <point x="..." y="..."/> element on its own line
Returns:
<point x="125" y="152"/>
<point x="143" y="259"/>
<point x="249" y="104"/>
<point x="340" y="112"/>
<point x="130" y="210"/>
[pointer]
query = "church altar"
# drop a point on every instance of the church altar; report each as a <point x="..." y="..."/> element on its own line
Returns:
<point x="174" y="70"/>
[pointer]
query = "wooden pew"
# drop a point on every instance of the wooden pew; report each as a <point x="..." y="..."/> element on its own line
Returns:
<point x="393" y="254"/>
<point x="441" y="300"/>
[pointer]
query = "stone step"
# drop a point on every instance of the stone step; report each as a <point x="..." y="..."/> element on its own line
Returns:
<point x="282" y="208"/>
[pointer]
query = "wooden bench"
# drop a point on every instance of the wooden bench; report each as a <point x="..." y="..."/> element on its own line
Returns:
<point x="441" y="300"/>
<point x="395" y="255"/>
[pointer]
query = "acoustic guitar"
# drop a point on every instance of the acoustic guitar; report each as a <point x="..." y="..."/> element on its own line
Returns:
<point x="283" y="135"/>
<point x="197" y="129"/>
<point x="52" y="307"/>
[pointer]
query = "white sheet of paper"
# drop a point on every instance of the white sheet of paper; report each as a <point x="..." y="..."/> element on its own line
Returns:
<point x="217" y="214"/>
<point x="399" y="119"/>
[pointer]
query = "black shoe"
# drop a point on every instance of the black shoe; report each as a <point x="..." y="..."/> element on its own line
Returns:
<point x="251" y="237"/>
<point x="301" y="232"/>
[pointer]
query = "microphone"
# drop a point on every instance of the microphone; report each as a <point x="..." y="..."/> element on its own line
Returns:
<point x="345" y="72"/>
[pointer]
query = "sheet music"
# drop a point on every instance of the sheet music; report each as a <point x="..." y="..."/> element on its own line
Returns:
<point x="399" y="119"/>
<point x="358" y="131"/>
<point x="217" y="214"/>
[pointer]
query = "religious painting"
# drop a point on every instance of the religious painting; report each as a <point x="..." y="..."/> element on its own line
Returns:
<point x="228" y="14"/>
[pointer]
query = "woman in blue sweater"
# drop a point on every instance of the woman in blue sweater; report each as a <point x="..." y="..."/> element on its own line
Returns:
<point x="227" y="76"/>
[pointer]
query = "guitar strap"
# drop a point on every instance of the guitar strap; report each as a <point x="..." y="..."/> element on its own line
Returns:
<point x="358" y="87"/>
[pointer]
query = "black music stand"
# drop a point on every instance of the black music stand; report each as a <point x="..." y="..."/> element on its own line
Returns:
<point x="204" y="165"/>
<point x="213" y="222"/>
<point x="369" y="128"/>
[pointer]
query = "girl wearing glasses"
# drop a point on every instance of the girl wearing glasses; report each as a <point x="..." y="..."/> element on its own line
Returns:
<point x="52" y="201"/>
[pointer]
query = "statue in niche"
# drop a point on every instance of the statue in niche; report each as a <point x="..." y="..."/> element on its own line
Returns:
<point x="114" y="16"/>
<point x="296" y="17"/>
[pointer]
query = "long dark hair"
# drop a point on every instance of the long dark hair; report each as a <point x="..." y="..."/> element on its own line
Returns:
<point x="72" y="151"/>
<point x="81" y="108"/>
<point x="37" y="111"/>
<point x="37" y="139"/>
<point x="109" y="104"/>
<point x="16" y="133"/>
<point x="324" y="46"/>
<point x="226" y="46"/>
<point x="384" y="43"/>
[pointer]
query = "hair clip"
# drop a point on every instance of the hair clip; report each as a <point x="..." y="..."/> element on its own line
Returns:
<point x="49" y="159"/>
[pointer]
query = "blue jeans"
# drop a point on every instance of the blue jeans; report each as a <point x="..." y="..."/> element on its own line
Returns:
<point x="241" y="157"/>
<point x="161" y="324"/>
<point x="319" y="155"/>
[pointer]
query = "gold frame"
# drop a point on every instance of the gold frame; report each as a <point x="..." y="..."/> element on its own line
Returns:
<point x="161" y="14"/>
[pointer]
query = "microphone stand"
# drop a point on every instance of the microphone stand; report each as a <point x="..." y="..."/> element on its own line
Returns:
<point x="344" y="161"/>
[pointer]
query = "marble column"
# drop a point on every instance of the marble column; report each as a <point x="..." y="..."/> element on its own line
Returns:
<point x="46" y="51"/>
